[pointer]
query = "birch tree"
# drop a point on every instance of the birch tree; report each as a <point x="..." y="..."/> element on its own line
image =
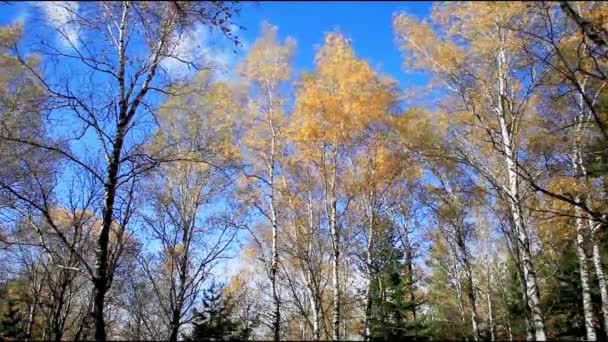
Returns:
<point x="267" y="69"/>
<point x="333" y="105"/>
<point x="481" y="76"/>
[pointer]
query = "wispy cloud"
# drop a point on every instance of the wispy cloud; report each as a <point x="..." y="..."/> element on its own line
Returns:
<point x="204" y="48"/>
<point x="60" y="15"/>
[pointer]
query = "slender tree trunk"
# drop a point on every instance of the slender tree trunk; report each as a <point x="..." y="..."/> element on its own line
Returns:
<point x="368" y="310"/>
<point x="523" y="242"/>
<point x="581" y="224"/>
<point x="184" y="261"/>
<point x="584" y="276"/>
<point x="83" y="326"/>
<point x="101" y="279"/>
<point x="527" y="311"/>
<point x="370" y="276"/>
<point x="30" y="319"/>
<point x="335" y="282"/>
<point x="409" y="261"/>
<point x="313" y="285"/>
<point x="458" y="288"/>
<point x="335" y="240"/>
<point x="473" y="301"/>
<point x="308" y="267"/>
<point x="275" y="256"/>
<point x="316" y="317"/>
<point x="489" y="300"/>
<point x="509" y="330"/>
<point x="470" y="286"/>
<point x="601" y="278"/>
<point x="276" y="324"/>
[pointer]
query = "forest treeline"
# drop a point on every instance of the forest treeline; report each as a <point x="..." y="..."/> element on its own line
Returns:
<point x="137" y="203"/>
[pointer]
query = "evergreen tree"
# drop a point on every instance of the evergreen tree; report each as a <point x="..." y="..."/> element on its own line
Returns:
<point x="392" y="316"/>
<point x="214" y="322"/>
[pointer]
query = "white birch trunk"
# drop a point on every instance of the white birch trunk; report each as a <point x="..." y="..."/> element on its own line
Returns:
<point x="335" y="240"/>
<point x="522" y="240"/>
<point x="370" y="274"/>
<point x="273" y="217"/>
<point x="601" y="278"/>
<point x="584" y="276"/>
<point x="489" y="282"/>
<point x="581" y="230"/>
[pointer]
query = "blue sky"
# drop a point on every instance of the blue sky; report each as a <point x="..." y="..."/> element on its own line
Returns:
<point x="366" y="23"/>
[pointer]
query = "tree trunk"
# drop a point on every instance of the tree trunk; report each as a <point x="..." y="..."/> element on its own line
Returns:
<point x="370" y="277"/>
<point x="174" y="327"/>
<point x="584" y="276"/>
<point x="98" y="307"/>
<point x="527" y="311"/>
<point x="461" y="305"/>
<point x="335" y="285"/>
<point x="101" y="279"/>
<point x="335" y="240"/>
<point x="489" y="300"/>
<point x="601" y="278"/>
<point x="470" y="285"/>
<point x="458" y="288"/>
<point x="473" y="301"/>
<point x="514" y="197"/>
<point x="316" y="317"/>
<point x="409" y="261"/>
<point x="276" y="324"/>
<point x="368" y="310"/>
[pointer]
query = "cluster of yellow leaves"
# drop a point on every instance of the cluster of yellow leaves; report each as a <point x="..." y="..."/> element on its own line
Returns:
<point x="267" y="62"/>
<point x="341" y="98"/>
<point x="426" y="49"/>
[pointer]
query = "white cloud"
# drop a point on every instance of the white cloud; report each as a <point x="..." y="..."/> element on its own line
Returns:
<point x="59" y="14"/>
<point x="204" y="48"/>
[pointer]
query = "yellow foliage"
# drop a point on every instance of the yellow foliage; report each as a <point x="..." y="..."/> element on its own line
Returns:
<point x="340" y="99"/>
<point x="268" y="60"/>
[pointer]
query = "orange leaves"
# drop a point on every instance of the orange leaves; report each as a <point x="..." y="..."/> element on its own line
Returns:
<point x="341" y="98"/>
